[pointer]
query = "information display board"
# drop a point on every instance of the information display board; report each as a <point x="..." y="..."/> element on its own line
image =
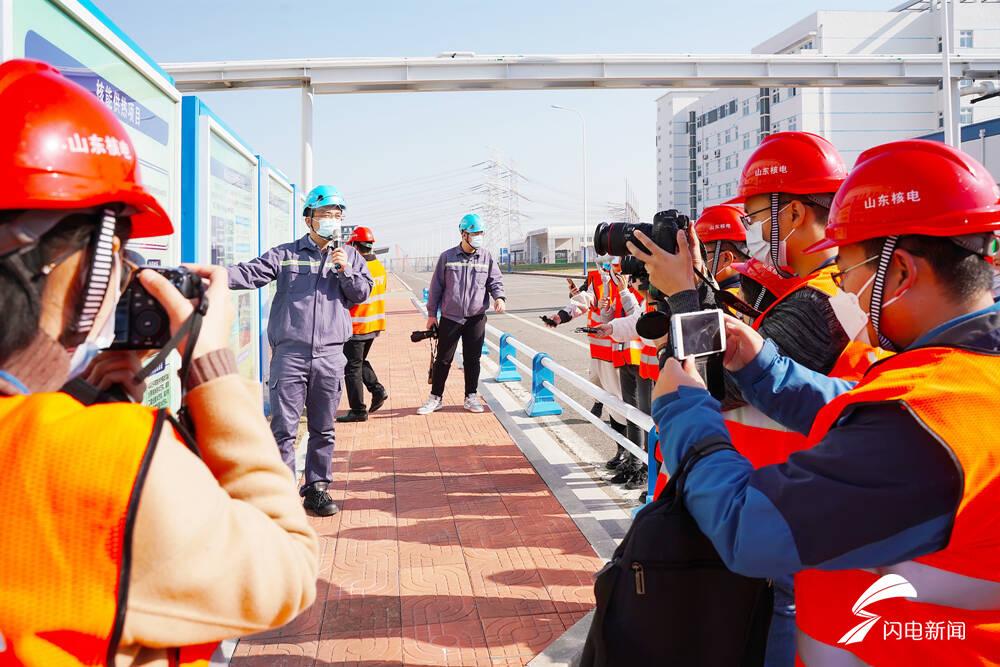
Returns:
<point x="77" y="38"/>
<point x="220" y="216"/>
<point x="278" y="218"/>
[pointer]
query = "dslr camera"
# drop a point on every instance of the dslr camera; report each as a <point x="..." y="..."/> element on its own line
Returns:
<point x="141" y="323"/>
<point x="610" y="239"/>
<point x="417" y="336"/>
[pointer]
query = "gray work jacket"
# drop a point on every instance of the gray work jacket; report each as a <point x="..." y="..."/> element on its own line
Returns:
<point x="309" y="312"/>
<point x="463" y="284"/>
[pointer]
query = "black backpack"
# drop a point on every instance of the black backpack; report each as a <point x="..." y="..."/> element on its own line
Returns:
<point x="666" y="598"/>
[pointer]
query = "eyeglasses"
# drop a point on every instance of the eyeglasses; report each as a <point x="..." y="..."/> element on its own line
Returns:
<point x="838" y="277"/>
<point x="748" y="218"/>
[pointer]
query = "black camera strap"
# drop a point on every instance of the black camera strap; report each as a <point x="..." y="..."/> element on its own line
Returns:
<point x="728" y="299"/>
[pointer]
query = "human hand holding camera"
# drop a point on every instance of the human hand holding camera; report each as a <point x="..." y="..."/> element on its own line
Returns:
<point x="743" y="344"/>
<point x="669" y="273"/>
<point x="676" y="374"/>
<point x="217" y="324"/>
<point x="118" y="367"/>
<point x="431" y="323"/>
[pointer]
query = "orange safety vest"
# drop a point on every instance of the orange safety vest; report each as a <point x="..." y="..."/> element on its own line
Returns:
<point x="759" y="438"/>
<point x="369" y="316"/>
<point x="649" y="364"/>
<point x="73" y="476"/>
<point x="602" y="348"/>
<point x="629" y="352"/>
<point x="955" y="395"/>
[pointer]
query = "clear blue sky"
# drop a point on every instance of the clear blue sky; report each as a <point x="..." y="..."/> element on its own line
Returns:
<point x="369" y="144"/>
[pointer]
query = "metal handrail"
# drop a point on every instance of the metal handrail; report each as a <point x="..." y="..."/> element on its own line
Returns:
<point x="610" y="401"/>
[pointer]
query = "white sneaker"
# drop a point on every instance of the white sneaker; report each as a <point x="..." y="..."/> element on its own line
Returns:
<point x="432" y="405"/>
<point x="473" y="404"/>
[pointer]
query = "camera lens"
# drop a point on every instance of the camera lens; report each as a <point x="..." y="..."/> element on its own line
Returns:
<point x="148" y="323"/>
<point x="610" y="237"/>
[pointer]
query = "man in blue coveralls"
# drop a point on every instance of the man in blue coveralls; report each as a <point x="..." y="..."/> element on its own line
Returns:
<point x="318" y="281"/>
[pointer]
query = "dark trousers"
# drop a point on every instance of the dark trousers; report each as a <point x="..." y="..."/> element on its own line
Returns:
<point x="637" y="392"/>
<point x="358" y="373"/>
<point x="472" y="333"/>
<point x="301" y="380"/>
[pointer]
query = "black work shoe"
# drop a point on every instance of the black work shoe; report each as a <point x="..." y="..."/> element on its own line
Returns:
<point x="616" y="460"/>
<point x="623" y="475"/>
<point x="353" y="416"/>
<point x="378" y="400"/>
<point x="637" y="480"/>
<point x="317" y="501"/>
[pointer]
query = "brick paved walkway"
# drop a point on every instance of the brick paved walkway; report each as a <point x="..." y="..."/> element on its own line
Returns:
<point x="448" y="550"/>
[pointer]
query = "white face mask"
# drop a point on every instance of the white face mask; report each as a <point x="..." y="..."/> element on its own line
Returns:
<point x="101" y="339"/>
<point x="476" y="241"/>
<point x="847" y="307"/>
<point x="760" y="249"/>
<point x="757" y="247"/>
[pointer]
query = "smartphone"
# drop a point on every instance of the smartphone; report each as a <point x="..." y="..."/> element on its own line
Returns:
<point x="698" y="334"/>
<point x="586" y="330"/>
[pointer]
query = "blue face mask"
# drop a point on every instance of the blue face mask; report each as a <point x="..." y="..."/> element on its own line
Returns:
<point x="328" y="228"/>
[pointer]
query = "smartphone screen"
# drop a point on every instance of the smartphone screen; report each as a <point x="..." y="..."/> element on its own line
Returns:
<point x="697" y="334"/>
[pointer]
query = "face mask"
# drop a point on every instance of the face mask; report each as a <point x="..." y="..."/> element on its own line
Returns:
<point x="476" y="241"/>
<point x="328" y="228"/>
<point x="757" y="247"/>
<point x="101" y="340"/>
<point x="852" y="317"/>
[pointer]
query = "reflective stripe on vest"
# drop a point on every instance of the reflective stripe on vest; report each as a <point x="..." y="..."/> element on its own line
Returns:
<point x="369" y="317"/>
<point x="649" y="364"/>
<point x="952" y="393"/>
<point x="602" y="348"/>
<point x="67" y="528"/>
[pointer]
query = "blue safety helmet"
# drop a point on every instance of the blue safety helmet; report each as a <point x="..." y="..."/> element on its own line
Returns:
<point x="471" y="223"/>
<point x="323" y="195"/>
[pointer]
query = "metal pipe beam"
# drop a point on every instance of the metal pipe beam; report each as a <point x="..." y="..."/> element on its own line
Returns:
<point x="307" y="139"/>
<point x="393" y="75"/>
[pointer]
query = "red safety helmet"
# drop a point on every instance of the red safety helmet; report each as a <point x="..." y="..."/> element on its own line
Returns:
<point x="64" y="149"/>
<point x="913" y="187"/>
<point x="362" y="235"/>
<point x="721" y="223"/>
<point x="798" y="163"/>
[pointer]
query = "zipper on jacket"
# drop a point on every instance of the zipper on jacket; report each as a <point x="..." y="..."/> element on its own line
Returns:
<point x="640" y="579"/>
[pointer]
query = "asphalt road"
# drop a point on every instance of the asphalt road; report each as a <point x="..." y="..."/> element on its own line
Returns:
<point x="529" y="297"/>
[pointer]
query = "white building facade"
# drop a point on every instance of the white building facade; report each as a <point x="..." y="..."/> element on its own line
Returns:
<point x="703" y="141"/>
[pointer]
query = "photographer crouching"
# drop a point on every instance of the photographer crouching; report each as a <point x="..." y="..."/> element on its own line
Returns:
<point x="125" y="542"/>
<point x="465" y="278"/>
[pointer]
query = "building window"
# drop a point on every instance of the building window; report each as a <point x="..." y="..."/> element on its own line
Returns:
<point x="746" y="140"/>
<point x="746" y="107"/>
<point x="732" y="106"/>
<point x="940" y="119"/>
<point x="776" y="127"/>
<point x="965" y="39"/>
<point x="965" y="115"/>
<point x="723" y="111"/>
<point x="793" y="124"/>
<point x="776" y="96"/>
<point x="729" y="189"/>
<point x="808" y="46"/>
<point x="792" y="92"/>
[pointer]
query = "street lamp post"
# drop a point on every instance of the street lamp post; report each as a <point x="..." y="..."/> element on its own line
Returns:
<point x="586" y="227"/>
